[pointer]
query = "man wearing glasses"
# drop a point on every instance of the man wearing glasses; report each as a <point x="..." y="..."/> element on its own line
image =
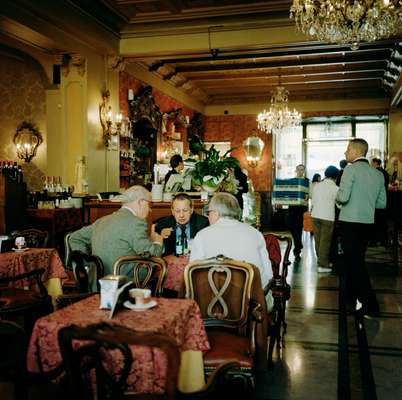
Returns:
<point x="181" y="226"/>
<point x="123" y="233"/>
<point x="230" y="237"/>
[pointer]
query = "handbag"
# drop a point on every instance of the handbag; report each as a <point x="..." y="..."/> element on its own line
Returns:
<point x="307" y="222"/>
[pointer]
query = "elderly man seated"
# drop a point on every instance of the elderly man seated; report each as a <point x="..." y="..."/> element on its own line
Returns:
<point x="123" y="233"/>
<point x="230" y="237"/>
<point x="184" y="223"/>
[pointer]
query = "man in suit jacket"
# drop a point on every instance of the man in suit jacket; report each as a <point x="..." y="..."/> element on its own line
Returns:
<point x="361" y="191"/>
<point x="123" y="233"/>
<point x="183" y="217"/>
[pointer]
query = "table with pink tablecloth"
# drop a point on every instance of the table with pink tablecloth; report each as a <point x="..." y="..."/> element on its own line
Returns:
<point x="13" y="263"/>
<point x="177" y="318"/>
<point x="175" y="272"/>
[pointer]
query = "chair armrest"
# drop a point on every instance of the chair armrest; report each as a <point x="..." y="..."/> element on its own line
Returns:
<point x="215" y="380"/>
<point x="36" y="274"/>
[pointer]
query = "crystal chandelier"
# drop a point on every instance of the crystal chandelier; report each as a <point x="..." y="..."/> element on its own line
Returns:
<point x="279" y="116"/>
<point x="346" y="21"/>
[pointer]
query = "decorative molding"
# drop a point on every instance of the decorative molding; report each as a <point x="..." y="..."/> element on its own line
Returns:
<point x="78" y="61"/>
<point x="116" y="63"/>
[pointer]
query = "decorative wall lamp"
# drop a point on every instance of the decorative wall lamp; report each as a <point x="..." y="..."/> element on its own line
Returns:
<point x="27" y="138"/>
<point x="253" y="147"/>
<point x="110" y="129"/>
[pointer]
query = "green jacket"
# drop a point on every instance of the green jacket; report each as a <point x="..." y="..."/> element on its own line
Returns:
<point x="113" y="236"/>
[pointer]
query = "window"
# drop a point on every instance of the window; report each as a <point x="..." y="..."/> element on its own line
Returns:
<point x="325" y="141"/>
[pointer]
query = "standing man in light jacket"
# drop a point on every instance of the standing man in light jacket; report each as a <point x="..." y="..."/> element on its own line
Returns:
<point x="361" y="191"/>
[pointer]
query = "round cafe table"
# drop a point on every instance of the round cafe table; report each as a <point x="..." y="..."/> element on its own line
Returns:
<point x="175" y="271"/>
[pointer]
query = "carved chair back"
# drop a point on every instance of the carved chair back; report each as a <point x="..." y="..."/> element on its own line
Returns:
<point x="146" y="271"/>
<point x="92" y="360"/>
<point x="222" y="288"/>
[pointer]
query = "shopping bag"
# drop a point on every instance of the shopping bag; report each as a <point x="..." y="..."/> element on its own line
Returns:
<point x="307" y="222"/>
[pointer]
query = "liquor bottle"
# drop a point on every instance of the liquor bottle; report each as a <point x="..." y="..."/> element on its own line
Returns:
<point x="14" y="173"/>
<point x="20" y="175"/>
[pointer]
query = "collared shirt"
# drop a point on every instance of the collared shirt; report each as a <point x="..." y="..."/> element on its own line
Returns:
<point x="178" y="230"/>
<point x="131" y="210"/>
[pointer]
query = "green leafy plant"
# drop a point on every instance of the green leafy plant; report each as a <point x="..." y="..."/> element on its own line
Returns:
<point x="212" y="170"/>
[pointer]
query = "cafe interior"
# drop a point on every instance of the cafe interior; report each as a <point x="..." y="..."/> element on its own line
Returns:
<point x="97" y="96"/>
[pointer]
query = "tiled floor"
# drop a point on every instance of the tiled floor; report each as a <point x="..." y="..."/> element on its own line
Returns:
<point x="329" y="355"/>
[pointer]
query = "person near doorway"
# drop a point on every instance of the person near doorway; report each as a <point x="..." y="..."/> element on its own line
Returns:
<point x="323" y="212"/>
<point x="361" y="191"/>
<point x="295" y="218"/>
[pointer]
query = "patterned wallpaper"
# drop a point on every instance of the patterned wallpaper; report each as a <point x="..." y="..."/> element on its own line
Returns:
<point x="236" y="128"/>
<point x="23" y="98"/>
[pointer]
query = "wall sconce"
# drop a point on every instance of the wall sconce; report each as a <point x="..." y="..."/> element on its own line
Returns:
<point x="27" y="138"/>
<point x="111" y="129"/>
<point x="253" y="147"/>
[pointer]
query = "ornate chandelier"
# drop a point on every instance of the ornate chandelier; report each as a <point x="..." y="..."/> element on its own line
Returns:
<point x="278" y="116"/>
<point x="346" y="21"/>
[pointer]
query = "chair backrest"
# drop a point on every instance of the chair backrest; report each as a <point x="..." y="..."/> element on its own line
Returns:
<point x="28" y="280"/>
<point x="33" y="237"/>
<point x="222" y="288"/>
<point x="272" y="241"/>
<point x="81" y="264"/>
<point x="67" y="251"/>
<point x="84" y="362"/>
<point x="146" y="272"/>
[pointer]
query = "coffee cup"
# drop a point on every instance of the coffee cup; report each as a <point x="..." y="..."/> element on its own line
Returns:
<point x="141" y="296"/>
<point x="20" y="242"/>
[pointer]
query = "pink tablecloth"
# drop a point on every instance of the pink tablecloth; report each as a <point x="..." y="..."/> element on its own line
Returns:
<point x="12" y="263"/>
<point x="175" y="272"/>
<point x="178" y="318"/>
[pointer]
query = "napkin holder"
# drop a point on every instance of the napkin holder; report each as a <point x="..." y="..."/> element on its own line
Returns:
<point x="109" y="286"/>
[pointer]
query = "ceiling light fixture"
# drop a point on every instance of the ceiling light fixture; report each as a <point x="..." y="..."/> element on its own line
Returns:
<point x="347" y="22"/>
<point x="279" y="116"/>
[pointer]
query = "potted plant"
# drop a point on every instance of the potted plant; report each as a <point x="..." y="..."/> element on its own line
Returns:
<point x="214" y="172"/>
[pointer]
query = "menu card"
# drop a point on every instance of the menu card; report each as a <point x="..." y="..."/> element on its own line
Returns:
<point x="121" y="295"/>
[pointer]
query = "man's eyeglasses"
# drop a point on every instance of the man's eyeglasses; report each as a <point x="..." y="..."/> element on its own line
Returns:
<point x="209" y="211"/>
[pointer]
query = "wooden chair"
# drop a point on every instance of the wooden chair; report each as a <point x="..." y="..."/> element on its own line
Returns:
<point x="279" y="287"/>
<point x="222" y="288"/>
<point x="147" y="272"/>
<point x="78" y="286"/>
<point x="88" y="361"/>
<point x="33" y="237"/>
<point x="28" y="303"/>
<point x="13" y="350"/>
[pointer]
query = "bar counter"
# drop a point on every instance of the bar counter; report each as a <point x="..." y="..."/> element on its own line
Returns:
<point x="95" y="209"/>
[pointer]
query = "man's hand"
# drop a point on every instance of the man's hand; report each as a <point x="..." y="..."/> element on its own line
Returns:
<point x="156" y="237"/>
<point x="166" y="232"/>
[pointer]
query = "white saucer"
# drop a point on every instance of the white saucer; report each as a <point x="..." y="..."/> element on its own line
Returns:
<point x="140" y="307"/>
<point x="20" y="250"/>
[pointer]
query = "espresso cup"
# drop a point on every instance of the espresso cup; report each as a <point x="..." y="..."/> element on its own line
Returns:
<point x="20" y="242"/>
<point x="141" y="296"/>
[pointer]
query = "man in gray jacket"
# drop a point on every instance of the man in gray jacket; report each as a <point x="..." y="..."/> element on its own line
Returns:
<point x="361" y="191"/>
<point x="123" y="233"/>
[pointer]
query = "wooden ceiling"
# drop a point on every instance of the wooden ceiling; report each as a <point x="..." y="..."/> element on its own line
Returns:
<point x="240" y="73"/>
<point x="309" y="70"/>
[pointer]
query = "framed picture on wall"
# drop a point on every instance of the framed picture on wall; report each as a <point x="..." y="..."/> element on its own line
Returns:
<point x="222" y="147"/>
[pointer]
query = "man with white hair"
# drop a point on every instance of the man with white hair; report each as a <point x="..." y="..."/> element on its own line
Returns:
<point x="228" y="236"/>
<point x="123" y="233"/>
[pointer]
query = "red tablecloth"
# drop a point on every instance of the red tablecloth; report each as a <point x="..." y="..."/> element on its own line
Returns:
<point x="178" y="318"/>
<point x="12" y="263"/>
<point x="175" y="272"/>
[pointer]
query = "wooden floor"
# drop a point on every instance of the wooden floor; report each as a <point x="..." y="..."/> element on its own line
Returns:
<point x="329" y="355"/>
